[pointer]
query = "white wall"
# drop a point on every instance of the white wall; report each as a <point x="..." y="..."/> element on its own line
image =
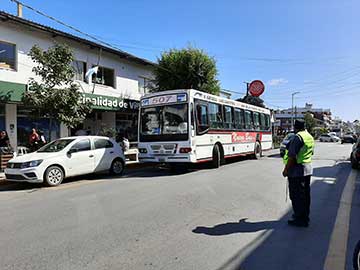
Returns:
<point x="126" y="73"/>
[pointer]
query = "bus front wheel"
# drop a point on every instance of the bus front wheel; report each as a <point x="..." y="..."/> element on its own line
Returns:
<point x="216" y="158"/>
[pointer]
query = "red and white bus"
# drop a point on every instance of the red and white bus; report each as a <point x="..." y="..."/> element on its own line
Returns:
<point x="189" y="126"/>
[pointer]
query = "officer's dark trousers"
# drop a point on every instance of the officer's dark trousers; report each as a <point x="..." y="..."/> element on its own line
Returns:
<point x="299" y="189"/>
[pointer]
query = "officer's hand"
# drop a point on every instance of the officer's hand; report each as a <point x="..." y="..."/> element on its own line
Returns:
<point x="285" y="173"/>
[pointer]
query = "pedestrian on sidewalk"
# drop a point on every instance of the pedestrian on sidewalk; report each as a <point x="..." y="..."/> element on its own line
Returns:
<point x="5" y="146"/>
<point x="298" y="169"/>
<point x="34" y="140"/>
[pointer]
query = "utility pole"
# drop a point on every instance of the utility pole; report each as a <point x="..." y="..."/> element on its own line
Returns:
<point x="292" y="109"/>
<point x="247" y="88"/>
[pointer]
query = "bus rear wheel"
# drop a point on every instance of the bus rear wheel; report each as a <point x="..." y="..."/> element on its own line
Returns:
<point x="216" y="157"/>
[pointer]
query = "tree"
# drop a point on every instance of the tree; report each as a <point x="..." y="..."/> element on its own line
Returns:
<point x="55" y="95"/>
<point x="188" y="68"/>
<point x="309" y="122"/>
<point x="252" y="100"/>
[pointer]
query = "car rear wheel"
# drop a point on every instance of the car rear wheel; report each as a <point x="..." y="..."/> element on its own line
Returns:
<point x="117" y="167"/>
<point x="54" y="176"/>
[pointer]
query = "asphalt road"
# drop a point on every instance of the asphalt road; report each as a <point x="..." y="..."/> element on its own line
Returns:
<point x="229" y="218"/>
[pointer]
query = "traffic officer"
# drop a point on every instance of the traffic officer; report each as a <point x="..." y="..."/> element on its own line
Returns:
<point x="298" y="169"/>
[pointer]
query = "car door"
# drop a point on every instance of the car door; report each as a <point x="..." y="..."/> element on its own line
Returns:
<point x="80" y="158"/>
<point x="104" y="154"/>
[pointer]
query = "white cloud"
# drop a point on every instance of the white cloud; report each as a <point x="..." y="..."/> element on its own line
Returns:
<point x="277" y="82"/>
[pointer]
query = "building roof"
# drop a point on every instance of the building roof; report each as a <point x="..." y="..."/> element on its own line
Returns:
<point x="4" y="16"/>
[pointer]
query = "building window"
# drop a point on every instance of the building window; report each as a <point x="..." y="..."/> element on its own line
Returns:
<point x="145" y="84"/>
<point x="104" y="76"/>
<point x="29" y="118"/>
<point x="125" y="123"/>
<point x="79" y="68"/>
<point x="7" y="55"/>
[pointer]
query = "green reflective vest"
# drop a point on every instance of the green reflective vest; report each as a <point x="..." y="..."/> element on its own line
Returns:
<point x="306" y="152"/>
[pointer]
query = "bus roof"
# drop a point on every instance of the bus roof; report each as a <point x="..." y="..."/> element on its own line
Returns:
<point x="209" y="97"/>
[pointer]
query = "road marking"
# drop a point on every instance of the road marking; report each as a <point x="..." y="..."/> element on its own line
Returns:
<point x="336" y="256"/>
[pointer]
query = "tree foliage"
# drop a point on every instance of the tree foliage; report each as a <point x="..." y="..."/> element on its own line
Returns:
<point x="54" y="93"/>
<point x="310" y="122"/>
<point x="188" y="68"/>
<point x="252" y="100"/>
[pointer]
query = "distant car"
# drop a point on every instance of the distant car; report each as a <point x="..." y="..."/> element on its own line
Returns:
<point x="348" y="139"/>
<point x="355" y="155"/>
<point x="285" y="141"/>
<point x="67" y="157"/>
<point x="328" y="138"/>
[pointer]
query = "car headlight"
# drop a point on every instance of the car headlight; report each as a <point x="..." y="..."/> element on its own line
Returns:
<point x="33" y="163"/>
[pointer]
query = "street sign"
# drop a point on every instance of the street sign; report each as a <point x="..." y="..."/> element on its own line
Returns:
<point x="256" y="88"/>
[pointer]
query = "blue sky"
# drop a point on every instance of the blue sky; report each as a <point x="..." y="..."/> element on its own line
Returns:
<point x="311" y="46"/>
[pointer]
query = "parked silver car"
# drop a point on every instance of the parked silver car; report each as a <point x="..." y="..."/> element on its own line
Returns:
<point x="328" y="138"/>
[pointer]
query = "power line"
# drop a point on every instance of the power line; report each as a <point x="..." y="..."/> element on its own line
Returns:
<point x="66" y="25"/>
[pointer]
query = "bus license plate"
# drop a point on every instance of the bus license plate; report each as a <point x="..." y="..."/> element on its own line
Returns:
<point x="161" y="159"/>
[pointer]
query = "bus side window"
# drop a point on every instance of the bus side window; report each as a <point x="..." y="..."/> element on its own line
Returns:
<point x="192" y="118"/>
<point x="256" y="120"/>
<point x="215" y="115"/>
<point x="262" y="122"/>
<point x="202" y="118"/>
<point x="228" y="115"/>
<point x="267" y="122"/>
<point x="239" y="118"/>
<point x="248" y="120"/>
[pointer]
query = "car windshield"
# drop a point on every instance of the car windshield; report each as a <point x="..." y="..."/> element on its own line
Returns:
<point x="161" y="120"/>
<point x="55" y="146"/>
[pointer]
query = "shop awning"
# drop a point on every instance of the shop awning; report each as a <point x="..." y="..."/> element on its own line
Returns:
<point x="11" y="92"/>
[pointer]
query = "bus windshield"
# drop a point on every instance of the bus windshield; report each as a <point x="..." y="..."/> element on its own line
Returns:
<point x="164" y="120"/>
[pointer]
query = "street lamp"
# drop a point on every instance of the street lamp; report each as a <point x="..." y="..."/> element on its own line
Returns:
<point x="292" y="109"/>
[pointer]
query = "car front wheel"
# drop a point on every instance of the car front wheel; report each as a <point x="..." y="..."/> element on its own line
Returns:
<point x="117" y="167"/>
<point x="54" y="175"/>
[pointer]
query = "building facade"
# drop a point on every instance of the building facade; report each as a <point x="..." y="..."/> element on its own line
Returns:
<point x="283" y="118"/>
<point x="114" y="92"/>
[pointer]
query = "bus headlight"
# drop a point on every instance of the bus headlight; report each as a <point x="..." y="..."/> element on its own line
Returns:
<point x="142" y="150"/>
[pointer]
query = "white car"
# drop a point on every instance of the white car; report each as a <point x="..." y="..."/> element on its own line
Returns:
<point x="329" y="138"/>
<point x="67" y="157"/>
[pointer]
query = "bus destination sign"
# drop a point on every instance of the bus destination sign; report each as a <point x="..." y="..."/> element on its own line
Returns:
<point x="158" y="100"/>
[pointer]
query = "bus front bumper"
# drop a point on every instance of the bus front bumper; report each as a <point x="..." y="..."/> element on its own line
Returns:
<point x="165" y="159"/>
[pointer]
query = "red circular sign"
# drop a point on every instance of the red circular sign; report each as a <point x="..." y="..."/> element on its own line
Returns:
<point x="256" y="88"/>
